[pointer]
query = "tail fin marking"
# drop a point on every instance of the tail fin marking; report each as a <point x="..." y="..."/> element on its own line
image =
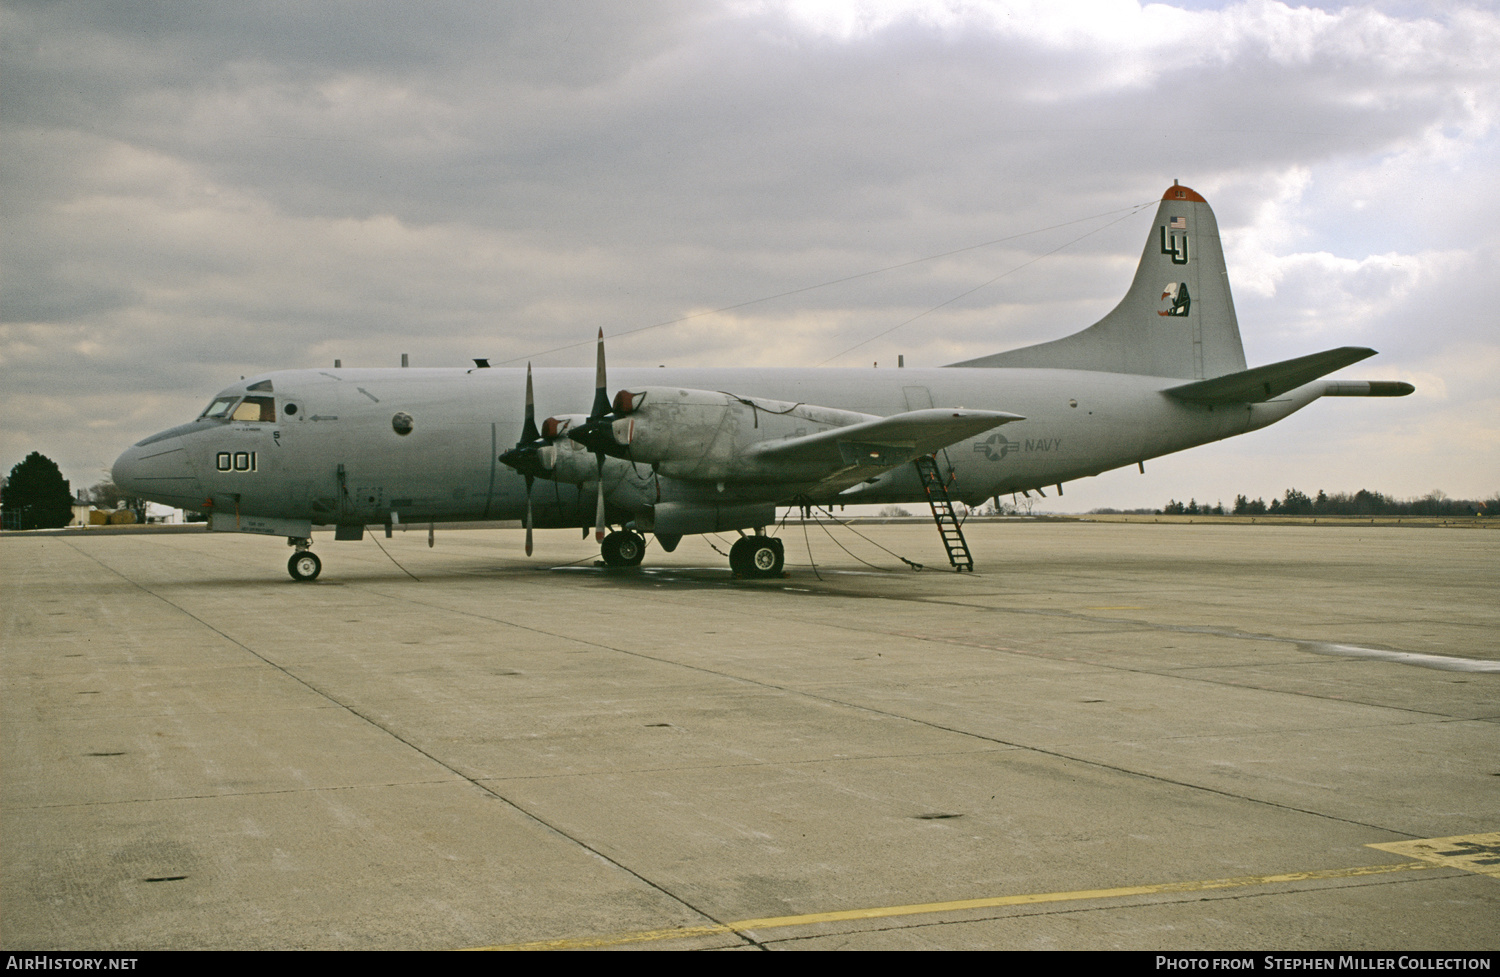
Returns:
<point x="1176" y="320"/>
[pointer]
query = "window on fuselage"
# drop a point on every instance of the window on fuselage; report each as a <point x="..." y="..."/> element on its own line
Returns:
<point x="256" y="409"/>
<point x="220" y="408"/>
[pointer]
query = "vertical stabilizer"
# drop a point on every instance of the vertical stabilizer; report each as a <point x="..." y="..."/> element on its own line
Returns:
<point x="1177" y="320"/>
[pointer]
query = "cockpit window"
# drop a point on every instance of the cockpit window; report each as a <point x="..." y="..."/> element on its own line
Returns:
<point x="256" y="409"/>
<point x="219" y="409"/>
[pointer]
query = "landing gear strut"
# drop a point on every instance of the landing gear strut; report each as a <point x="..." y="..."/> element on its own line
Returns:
<point x="757" y="556"/>
<point x="623" y="548"/>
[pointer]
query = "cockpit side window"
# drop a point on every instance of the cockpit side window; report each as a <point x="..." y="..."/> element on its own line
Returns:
<point x="256" y="409"/>
<point x="219" y="409"/>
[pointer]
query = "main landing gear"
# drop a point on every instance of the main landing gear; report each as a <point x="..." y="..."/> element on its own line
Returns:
<point x="623" y="548"/>
<point x="757" y="557"/>
<point x="753" y="557"/>
<point x="304" y="564"/>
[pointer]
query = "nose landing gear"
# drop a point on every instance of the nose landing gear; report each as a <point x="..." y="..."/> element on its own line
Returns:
<point x="304" y="564"/>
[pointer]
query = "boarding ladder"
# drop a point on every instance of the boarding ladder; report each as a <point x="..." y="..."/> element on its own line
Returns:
<point x="942" y="513"/>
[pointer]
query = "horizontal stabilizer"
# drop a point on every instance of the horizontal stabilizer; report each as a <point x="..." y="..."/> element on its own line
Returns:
<point x="1264" y="382"/>
<point x="884" y="442"/>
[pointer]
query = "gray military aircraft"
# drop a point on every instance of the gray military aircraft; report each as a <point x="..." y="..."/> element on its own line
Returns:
<point x="685" y="451"/>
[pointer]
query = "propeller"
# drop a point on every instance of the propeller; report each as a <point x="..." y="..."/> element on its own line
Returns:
<point x="592" y="435"/>
<point x="527" y="456"/>
<point x="602" y="433"/>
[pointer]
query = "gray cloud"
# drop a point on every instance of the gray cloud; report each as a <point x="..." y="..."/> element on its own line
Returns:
<point x="194" y="194"/>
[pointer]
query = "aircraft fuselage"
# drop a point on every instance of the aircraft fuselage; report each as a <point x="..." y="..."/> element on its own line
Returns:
<point x="333" y="453"/>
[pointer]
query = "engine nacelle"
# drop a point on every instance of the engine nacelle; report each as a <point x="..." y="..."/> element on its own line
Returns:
<point x="704" y="435"/>
<point x="564" y="459"/>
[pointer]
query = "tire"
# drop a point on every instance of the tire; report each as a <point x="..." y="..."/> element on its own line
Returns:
<point x="739" y="557"/>
<point x="623" y="549"/>
<point x="304" y="566"/>
<point x="757" y="557"/>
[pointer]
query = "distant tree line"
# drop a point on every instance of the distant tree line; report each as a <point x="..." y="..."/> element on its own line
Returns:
<point x="1361" y="503"/>
<point x="1190" y="508"/>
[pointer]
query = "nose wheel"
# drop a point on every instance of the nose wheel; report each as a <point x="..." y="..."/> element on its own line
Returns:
<point x="304" y="565"/>
<point x="757" y="556"/>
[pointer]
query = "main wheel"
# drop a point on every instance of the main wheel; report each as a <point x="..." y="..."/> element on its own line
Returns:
<point x="757" y="556"/>
<point x="767" y="557"/>
<point x="623" y="548"/>
<point x="304" y="566"/>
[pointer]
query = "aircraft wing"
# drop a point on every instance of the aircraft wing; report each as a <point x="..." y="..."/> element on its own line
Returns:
<point x="1265" y="382"/>
<point x="848" y="454"/>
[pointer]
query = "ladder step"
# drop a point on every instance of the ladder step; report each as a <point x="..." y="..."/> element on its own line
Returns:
<point x="950" y="531"/>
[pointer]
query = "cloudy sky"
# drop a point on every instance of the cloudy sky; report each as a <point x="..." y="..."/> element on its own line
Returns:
<point x="193" y="192"/>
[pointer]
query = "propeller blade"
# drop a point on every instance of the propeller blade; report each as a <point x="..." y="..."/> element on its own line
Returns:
<point x="526" y="456"/>
<point x="529" y="433"/>
<point x="528" y="491"/>
<point x="599" y="507"/>
<point x="597" y="432"/>
<point x="531" y="455"/>
<point x="601" y="395"/>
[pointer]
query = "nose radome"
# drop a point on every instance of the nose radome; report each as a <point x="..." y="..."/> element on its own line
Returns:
<point x="122" y="473"/>
<point x="159" y="471"/>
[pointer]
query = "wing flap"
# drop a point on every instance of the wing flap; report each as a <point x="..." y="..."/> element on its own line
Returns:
<point x="1265" y="382"/>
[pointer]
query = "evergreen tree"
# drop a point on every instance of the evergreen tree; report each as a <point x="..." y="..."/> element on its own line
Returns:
<point x="36" y="495"/>
<point x="1294" y="503"/>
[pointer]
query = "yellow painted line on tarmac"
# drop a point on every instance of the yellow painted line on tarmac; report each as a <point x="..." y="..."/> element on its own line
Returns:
<point x="1473" y="853"/>
<point x="993" y="902"/>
